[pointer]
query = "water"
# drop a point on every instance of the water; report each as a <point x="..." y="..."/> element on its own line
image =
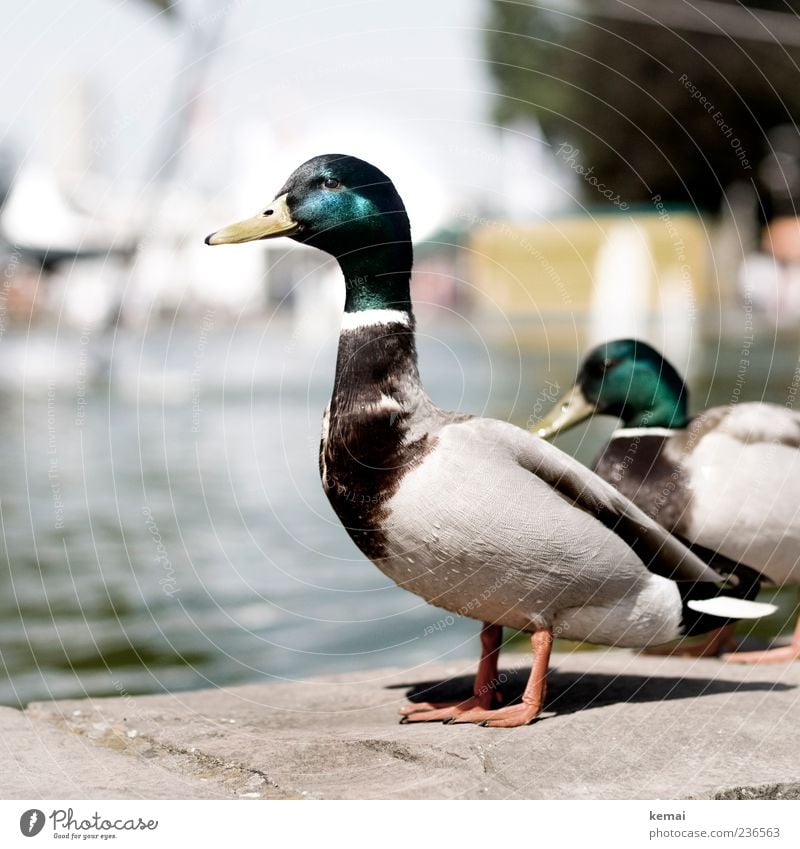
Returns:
<point x="163" y="524"/>
<point x="162" y="517"/>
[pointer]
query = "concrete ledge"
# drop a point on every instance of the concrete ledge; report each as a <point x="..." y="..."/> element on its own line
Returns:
<point x="617" y="726"/>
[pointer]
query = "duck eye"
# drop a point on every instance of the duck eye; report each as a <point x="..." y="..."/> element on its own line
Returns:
<point x="598" y="368"/>
<point x="331" y="183"/>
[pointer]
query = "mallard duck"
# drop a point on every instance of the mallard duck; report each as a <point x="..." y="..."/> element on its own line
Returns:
<point x="727" y="479"/>
<point x="474" y="515"/>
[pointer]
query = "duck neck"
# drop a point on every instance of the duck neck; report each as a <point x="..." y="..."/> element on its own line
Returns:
<point x="668" y="410"/>
<point x="376" y="368"/>
<point x="374" y="430"/>
<point x="378" y="277"/>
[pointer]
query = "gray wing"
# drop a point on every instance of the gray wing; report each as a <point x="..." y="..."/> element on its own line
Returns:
<point x="662" y="553"/>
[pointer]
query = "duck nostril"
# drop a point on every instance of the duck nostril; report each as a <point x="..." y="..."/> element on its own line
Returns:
<point x="267" y="212"/>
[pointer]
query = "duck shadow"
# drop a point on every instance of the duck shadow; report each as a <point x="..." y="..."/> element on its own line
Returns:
<point x="569" y="692"/>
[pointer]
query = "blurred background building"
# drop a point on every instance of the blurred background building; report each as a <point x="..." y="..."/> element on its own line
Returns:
<point x="574" y="171"/>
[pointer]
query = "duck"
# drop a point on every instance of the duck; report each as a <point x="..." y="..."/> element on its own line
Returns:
<point x="474" y="515"/>
<point x="726" y="479"/>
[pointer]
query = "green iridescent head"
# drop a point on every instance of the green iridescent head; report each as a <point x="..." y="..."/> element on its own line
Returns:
<point x="625" y="378"/>
<point x="350" y="209"/>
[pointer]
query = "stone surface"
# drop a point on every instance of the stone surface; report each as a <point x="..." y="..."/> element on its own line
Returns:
<point x="617" y="725"/>
<point x="42" y="760"/>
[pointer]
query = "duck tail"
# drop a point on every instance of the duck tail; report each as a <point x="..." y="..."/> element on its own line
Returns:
<point x="708" y="606"/>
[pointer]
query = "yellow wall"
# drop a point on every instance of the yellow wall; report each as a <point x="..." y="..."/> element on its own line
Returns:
<point x="550" y="267"/>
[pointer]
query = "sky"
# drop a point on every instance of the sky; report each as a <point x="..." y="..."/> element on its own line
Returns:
<point x="85" y="87"/>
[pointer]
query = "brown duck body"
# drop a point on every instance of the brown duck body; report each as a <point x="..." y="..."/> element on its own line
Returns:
<point x="378" y="425"/>
<point x="481" y="518"/>
<point x="729" y="481"/>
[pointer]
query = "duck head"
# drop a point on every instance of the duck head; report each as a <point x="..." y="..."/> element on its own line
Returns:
<point x="625" y="378"/>
<point x="349" y="209"/>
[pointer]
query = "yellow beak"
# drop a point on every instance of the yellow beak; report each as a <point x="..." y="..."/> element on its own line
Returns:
<point x="570" y="410"/>
<point x="272" y="222"/>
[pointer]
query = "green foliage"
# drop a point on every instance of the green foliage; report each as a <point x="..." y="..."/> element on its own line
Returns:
<point x="651" y="110"/>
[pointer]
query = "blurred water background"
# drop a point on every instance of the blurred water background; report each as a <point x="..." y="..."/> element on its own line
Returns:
<point x="163" y="524"/>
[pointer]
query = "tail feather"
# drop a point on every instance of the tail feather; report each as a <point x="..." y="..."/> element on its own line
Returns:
<point x="731" y="608"/>
<point x="707" y="607"/>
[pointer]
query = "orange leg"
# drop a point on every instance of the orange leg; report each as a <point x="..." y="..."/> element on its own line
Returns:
<point x="485" y="691"/>
<point x="783" y="654"/>
<point x="533" y="697"/>
<point x="716" y="641"/>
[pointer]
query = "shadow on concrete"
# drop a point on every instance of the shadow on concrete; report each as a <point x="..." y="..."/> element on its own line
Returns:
<point x="568" y="692"/>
